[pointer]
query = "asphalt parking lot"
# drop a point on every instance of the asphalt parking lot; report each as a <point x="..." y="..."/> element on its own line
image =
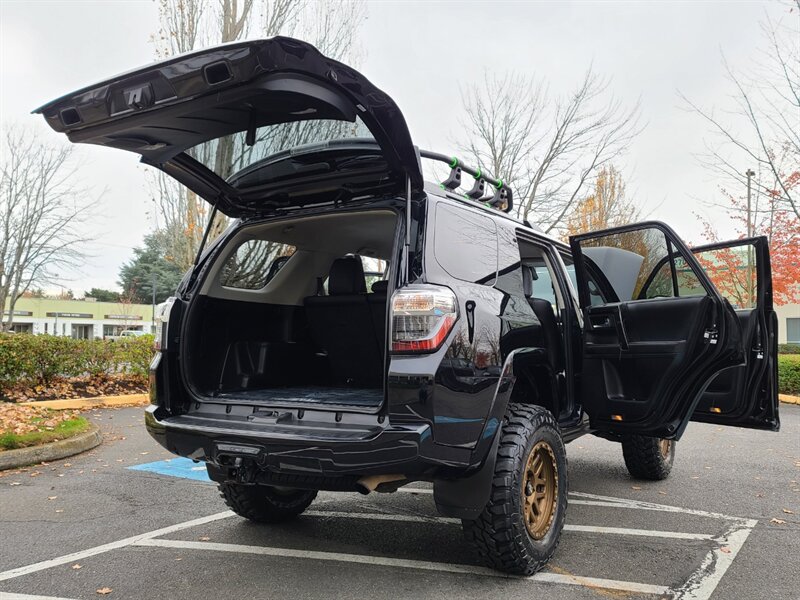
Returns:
<point x="718" y="528"/>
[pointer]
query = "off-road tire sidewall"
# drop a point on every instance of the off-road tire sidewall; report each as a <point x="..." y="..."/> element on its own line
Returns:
<point x="644" y="459"/>
<point x="265" y="504"/>
<point x="499" y="534"/>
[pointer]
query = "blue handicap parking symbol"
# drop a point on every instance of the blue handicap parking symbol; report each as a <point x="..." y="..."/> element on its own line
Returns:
<point x="175" y="467"/>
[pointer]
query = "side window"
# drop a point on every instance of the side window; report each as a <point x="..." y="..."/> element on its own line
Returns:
<point x="632" y="265"/>
<point x="732" y="270"/>
<point x="254" y="264"/>
<point x="465" y="244"/>
<point x="595" y="294"/>
<point x="542" y="287"/>
<point x="637" y="265"/>
<point x="375" y="269"/>
<point x="542" y="284"/>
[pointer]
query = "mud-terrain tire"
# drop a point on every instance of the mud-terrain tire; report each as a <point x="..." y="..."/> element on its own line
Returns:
<point x="502" y="534"/>
<point x="265" y="504"/>
<point x="648" y="457"/>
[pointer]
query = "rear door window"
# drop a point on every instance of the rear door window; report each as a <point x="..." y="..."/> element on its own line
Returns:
<point x="254" y="264"/>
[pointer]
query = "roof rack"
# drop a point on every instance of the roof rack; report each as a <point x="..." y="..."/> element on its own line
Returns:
<point x="502" y="199"/>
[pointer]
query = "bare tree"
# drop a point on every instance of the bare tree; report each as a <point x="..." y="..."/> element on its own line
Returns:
<point x="545" y="148"/>
<point x="191" y="24"/>
<point x="40" y="207"/>
<point x="759" y="125"/>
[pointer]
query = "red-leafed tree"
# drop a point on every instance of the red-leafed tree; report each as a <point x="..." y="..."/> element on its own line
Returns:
<point x="729" y="270"/>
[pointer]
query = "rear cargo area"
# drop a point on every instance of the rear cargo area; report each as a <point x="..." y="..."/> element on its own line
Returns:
<point x="303" y="326"/>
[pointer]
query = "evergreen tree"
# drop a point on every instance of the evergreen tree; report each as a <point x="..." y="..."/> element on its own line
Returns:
<point x="149" y="263"/>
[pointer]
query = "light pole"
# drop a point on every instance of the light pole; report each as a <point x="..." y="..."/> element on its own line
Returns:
<point x="750" y="232"/>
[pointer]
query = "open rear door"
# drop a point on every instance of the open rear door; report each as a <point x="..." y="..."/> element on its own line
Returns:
<point x="650" y="348"/>
<point x="745" y="395"/>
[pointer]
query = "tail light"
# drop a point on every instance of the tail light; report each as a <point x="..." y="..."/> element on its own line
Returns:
<point x="422" y="317"/>
<point x="162" y="321"/>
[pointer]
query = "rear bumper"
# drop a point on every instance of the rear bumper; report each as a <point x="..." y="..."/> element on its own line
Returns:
<point x="311" y="449"/>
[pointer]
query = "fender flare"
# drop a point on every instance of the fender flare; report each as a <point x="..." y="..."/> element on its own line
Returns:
<point x="465" y="498"/>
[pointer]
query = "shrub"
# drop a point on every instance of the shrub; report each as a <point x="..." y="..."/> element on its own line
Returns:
<point x="97" y="357"/>
<point x="789" y="374"/>
<point x="41" y="359"/>
<point x="49" y="357"/>
<point x="788" y="348"/>
<point x="133" y="355"/>
<point x="12" y="359"/>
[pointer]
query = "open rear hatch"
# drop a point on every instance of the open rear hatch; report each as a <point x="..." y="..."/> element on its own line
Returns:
<point x="256" y="128"/>
<point x="204" y="116"/>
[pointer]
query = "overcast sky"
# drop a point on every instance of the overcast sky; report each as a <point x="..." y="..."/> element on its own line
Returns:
<point x="420" y="53"/>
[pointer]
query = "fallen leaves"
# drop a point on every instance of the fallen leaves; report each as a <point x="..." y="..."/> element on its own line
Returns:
<point x="79" y="387"/>
<point x="204" y="538"/>
<point x="777" y="521"/>
<point x="104" y="591"/>
<point x="18" y="419"/>
<point x="52" y="497"/>
<point x="725" y="549"/>
<point x="788" y="511"/>
<point x="77" y="566"/>
<point x="636" y="487"/>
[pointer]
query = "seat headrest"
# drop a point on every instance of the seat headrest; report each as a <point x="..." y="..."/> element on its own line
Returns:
<point x="380" y="287"/>
<point x="346" y="277"/>
<point x="543" y="309"/>
<point x="527" y="281"/>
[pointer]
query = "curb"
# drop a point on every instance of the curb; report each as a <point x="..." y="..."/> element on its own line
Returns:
<point x="87" y="403"/>
<point x="789" y="399"/>
<point x="21" y="457"/>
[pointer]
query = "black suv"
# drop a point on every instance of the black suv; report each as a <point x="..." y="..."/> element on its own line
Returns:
<point x="355" y="328"/>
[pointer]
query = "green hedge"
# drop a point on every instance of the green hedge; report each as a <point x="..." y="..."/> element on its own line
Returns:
<point x="789" y="374"/>
<point x="788" y="348"/>
<point x="41" y="359"/>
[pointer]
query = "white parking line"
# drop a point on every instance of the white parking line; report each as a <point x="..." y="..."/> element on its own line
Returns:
<point x="12" y="596"/>
<point x="700" y="585"/>
<point x="677" y="535"/>
<point x="609" y="501"/>
<point x="75" y="556"/>
<point x="626" y="586"/>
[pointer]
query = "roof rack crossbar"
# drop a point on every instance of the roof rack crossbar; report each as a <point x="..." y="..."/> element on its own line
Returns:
<point x="502" y="198"/>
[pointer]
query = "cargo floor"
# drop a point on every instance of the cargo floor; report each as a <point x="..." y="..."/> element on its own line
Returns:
<point x="309" y="395"/>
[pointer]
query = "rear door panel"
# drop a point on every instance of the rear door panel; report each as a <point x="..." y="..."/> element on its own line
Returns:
<point x="648" y="352"/>
<point x="744" y="395"/>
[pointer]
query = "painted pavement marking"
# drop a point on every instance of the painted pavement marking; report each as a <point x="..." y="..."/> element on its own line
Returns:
<point x="385" y="561"/>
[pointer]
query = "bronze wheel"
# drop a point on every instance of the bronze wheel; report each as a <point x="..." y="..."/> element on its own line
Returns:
<point x="665" y="446"/>
<point x="540" y="490"/>
<point x="519" y="528"/>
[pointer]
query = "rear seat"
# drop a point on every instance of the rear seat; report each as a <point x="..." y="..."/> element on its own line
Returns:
<point x="342" y="324"/>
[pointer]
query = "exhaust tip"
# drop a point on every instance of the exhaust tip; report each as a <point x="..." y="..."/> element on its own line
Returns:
<point x="374" y="483"/>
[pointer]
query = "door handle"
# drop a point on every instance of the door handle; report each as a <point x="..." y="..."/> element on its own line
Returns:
<point x="601" y="322"/>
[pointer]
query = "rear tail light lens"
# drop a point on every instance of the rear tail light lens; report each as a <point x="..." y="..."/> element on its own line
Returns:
<point x="422" y="317"/>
